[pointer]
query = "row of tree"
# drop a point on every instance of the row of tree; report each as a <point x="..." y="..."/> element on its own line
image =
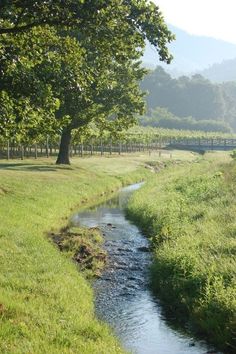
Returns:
<point x="161" y="118"/>
<point x="65" y="64"/>
<point x="194" y="97"/>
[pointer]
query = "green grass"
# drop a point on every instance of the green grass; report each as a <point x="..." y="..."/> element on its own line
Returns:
<point x="189" y="214"/>
<point x="46" y="305"/>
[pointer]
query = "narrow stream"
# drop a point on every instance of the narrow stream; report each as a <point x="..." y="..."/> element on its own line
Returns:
<point x="123" y="298"/>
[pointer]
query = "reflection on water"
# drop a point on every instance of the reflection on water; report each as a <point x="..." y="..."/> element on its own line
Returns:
<point x="123" y="298"/>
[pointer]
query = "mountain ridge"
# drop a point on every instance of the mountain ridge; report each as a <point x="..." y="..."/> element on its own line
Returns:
<point x="191" y="53"/>
<point x="221" y="72"/>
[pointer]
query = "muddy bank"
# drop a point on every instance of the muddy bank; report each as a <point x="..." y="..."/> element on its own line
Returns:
<point x="84" y="246"/>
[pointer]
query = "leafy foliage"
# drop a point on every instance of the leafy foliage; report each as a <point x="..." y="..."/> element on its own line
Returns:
<point x="78" y="61"/>
<point x="161" y="117"/>
<point x="194" y="97"/>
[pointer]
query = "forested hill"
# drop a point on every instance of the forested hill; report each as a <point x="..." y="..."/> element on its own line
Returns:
<point x="225" y="71"/>
<point x="194" y="97"/>
<point x="192" y="53"/>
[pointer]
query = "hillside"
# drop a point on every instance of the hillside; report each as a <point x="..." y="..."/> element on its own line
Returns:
<point x="191" y="53"/>
<point x="225" y="71"/>
<point x="195" y="98"/>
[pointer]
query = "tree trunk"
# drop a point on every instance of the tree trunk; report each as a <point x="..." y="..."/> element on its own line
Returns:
<point x="64" y="150"/>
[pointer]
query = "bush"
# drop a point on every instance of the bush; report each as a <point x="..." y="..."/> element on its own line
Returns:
<point x="233" y="154"/>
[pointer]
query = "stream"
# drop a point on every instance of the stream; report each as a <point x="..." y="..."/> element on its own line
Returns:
<point x="122" y="295"/>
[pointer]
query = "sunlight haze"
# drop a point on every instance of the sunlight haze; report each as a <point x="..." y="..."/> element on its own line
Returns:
<point x="202" y="17"/>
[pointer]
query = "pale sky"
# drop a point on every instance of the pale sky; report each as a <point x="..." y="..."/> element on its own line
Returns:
<point x="212" y="18"/>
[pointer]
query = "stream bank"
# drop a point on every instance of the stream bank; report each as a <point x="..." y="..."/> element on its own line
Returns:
<point x="189" y="214"/>
<point x="40" y="288"/>
<point x="122" y="295"/>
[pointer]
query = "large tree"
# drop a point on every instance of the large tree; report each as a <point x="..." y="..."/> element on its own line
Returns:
<point x="93" y="68"/>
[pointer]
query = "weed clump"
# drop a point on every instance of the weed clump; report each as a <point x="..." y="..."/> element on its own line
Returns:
<point x="84" y="246"/>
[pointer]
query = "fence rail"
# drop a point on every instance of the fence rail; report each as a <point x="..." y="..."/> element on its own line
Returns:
<point x="10" y="150"/>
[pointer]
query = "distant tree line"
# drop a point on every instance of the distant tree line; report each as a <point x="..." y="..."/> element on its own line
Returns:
<point x="162" y="118"/>
<point x="190" y="102"/>
<point x="221" y="72"/>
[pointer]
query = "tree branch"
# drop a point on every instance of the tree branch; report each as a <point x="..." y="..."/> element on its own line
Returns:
<point x="15" y="30"/>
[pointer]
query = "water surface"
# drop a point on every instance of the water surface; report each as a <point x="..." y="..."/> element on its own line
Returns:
<point x="123" y="297"/>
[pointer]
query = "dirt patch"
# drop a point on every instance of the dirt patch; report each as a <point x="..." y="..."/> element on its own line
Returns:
<point x="84" y="246"/>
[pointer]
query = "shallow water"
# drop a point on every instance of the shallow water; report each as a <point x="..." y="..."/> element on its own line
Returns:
<point x="123" y="297"/>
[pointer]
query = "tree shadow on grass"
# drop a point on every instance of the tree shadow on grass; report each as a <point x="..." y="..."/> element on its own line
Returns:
<point x="21" y="166"/>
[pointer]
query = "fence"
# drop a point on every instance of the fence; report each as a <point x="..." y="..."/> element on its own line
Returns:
<point x="14" y="151"/>
<point x="11" y="150"/>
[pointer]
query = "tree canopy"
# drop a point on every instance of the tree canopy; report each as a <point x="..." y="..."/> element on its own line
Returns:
<point x="66" y="63"/>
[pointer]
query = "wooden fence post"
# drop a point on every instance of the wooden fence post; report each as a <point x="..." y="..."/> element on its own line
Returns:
<point x="47" y="147"/>
<point x="110" y="147"/>
<point x="120" y="148"/>
<point x="8" y="150"/>
<point x="22" y="152"/>
<point x="102" y="147"/>
<point x="82" y="149"/>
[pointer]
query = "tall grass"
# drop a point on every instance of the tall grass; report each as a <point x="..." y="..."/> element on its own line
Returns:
<point x="189" y="214"/>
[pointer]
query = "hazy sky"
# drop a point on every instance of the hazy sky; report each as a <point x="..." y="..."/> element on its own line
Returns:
<point x="213" y="18"/>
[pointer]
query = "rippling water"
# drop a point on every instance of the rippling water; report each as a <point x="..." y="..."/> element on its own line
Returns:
<point x="123" y="298"/>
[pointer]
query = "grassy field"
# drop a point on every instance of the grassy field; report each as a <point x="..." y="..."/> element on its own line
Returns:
<point x="46" y="305"/>
<point x="189" y="213"/>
